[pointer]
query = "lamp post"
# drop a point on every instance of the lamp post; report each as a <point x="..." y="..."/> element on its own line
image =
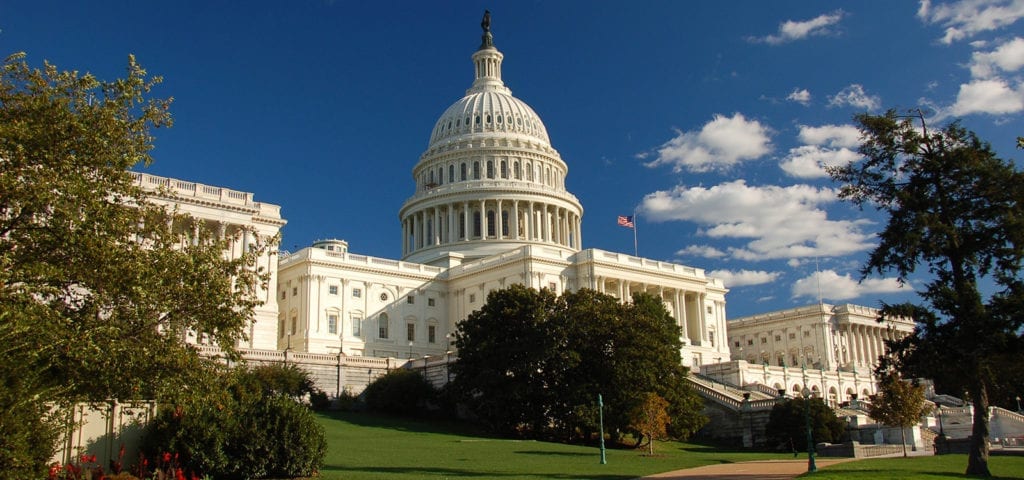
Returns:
<point x="811" y="467"/>
<point x="600" y="413"/>
<point x="448" y="366"/>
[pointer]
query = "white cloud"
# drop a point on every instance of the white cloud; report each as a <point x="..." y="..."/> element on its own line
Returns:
<point x="966" y="18"/>
<point x="800" y="95"/>
<point x="703" y="251"/>
<point x="778" y="222"/>
<point x="809" y="161"/>
<point x="830" y="135"/>
<point x="791" y="30"/>
<point x="855" y="96"/>
<point x="992" y="96"/>
<point x="827" y="145"/>
<point x="843" y="287"/>
<point x="1008" y="57"/>
<point x="744" y="277"/>
<point x="720" y="144"/>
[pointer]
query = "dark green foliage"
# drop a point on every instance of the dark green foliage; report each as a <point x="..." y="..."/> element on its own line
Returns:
<point x="531" y="364"/>
<point x="287" y="380"/>
<point x="955" y="210"/>
<point x="400" y="392"/>
<point x="247" y="432"/>
<point x="786" y="428"/>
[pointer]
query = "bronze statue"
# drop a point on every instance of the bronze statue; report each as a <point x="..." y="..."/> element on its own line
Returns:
<point x="486" y="22"/>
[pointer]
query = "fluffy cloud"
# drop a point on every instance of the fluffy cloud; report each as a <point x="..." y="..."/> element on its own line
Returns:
<point x="1008" y="57"/>
<point x="855" y="96"/>
<point x="827" y="145"/>
<point x="744" y="277"/>
<point x="791" y="30"/>
<point x="843" y="287"/>
<point x="966" y="18"/>
<point x="778" y="222"/>
<point x="992" y="96"/>
<point x="703" y="251"/>
<point x="800" y="95"/>
<point x="720" y="144"/>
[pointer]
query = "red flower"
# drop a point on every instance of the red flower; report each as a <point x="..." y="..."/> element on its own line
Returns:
<point x="55" y="470"/>
<point x="167" y="457"/>
<point x="179" y="475"/>
<point x="92" y="458"/>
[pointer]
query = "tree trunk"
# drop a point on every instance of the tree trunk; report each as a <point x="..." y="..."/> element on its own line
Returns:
<point x="977" y="453"/>
<point x="903" y="433"/>
<point x="650" y="446"/>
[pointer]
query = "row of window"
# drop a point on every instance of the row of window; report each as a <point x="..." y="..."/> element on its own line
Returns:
<point x="486" y="119"/>
<point x="383" y="327"/>
<point x="778" y="338"/>
<point x="357" y="293"/>
<point x="469" y="171"/>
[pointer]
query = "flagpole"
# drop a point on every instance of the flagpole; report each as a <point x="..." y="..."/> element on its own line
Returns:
<point x="636" y="252"/>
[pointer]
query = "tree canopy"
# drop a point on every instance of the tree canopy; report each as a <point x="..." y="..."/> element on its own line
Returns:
<point x="532" y="363"/>
<point x="98" y="287"/>
<point x="955" y="210"/>
<point x="786" y="428"/>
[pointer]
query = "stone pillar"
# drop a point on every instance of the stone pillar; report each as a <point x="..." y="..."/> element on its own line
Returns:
<point x="514" y="220"/>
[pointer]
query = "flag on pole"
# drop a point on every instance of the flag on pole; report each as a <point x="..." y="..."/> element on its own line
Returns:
<point x="626" y="221"/>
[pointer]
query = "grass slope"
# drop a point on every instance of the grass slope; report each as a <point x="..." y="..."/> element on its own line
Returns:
<point x="364" y="446"/>
<point x="931" y="468"/>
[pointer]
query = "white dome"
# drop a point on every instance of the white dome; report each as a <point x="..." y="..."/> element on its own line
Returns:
<point x="488" y="112"/>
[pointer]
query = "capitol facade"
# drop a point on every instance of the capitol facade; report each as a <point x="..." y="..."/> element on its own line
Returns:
<point x="489" y="209"/>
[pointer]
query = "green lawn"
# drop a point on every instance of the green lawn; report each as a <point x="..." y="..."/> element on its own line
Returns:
<point x="366" y="446"/>
<point x="930" y="468"/>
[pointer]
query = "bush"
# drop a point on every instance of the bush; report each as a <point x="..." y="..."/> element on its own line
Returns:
<point x="290" y="380"/>
<point x="401" y="392"/>
<point x="787" y="429"/>
<point x="247" y="432"/>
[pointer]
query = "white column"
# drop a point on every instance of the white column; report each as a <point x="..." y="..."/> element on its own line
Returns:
<point x="514" y="220"/>
<point x="467" y="226"/>
<point x="498" y="219"/>
<point x="483" y="219"/>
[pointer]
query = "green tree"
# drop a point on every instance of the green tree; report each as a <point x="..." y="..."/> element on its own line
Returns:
<point x="651" y="419"/>
<point x="957" y="210"/>
<point x="786" y="427"/>
<point x="898" y="403"/>
<point x="400" y="392"/>
<point x="97" y="287"/>
<point x="532" y="363"/>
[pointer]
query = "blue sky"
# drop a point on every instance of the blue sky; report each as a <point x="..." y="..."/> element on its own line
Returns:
<point x="712" y="121"/>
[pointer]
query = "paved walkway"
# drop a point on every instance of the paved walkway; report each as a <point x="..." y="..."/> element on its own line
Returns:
<point x="763" y="469"/>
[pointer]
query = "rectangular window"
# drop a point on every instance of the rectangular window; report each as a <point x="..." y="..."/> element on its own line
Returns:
<point x="357" y="323"/>
<point x="332" y="324"/>
<point x="553" y="286"/>
<point x="736" y="343"/>
<point x="410" y="331"/>
<point x="332" y="290"/>
<point x="357" y="292"/>
<point x="764" y="340"/>
<point x="778" y="338"/>
<point x="430" y="302"/>
<point x="472" y="298"/>
<point x="382" y="326"/>
<point x="295" y="325"/>
<point x="295" y="291"/>
<point x="792" y="336"/>
<point x="709" y="310"/>
<point x="750" y="342"/>
<point x="807" y="333"/>
<point x="410" y="299"/>
<point x="432" y="333"/>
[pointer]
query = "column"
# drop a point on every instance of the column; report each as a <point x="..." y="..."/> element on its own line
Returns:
<point x="435" y="234"/>
<point x="465" y="221"/>
<point x="498" y="220"/>
<point x="483" y="219"/>
<point x="515" y="220"/>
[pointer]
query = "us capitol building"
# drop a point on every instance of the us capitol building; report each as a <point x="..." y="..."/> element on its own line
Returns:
<point x="488" y="209"/>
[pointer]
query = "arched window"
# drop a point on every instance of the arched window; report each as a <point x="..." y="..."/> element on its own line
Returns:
<point x="504" y="223"/>
<point x="504" y="169"/>
<point x="490" y="169"/>
<point x="382" y="326"/>
<point x="451" y="173"/>
<point x="476" y="170"/>
<point x="462" y="172"/>
<point x="490" y="223"/>
<point x="515" y="171"/>
<point x="431" y="176"/>
<point x="476" y="224"/>
<point x="529" y="172"/>
<point x="462" y="226"/>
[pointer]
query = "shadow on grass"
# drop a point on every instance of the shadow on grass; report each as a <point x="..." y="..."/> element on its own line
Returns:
<point x="461" y="473"/>
<point x="555" y="454"/>
<point x="405" y="424"/>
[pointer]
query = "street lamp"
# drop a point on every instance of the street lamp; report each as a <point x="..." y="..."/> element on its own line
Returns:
<point x="448" y="366"/>
<point x="811" y="467"/>
<point x="600" y="410"/>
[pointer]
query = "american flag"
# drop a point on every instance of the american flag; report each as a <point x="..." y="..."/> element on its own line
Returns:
<point x="626" y="221"/>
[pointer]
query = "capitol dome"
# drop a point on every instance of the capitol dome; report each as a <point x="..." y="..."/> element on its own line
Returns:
<point x="489" y="180"/>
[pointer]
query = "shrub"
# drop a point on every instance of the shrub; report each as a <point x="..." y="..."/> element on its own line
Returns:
<point x="247" y="432"/>
<point x="401" y="392"/>
<point x="786" y="428"/>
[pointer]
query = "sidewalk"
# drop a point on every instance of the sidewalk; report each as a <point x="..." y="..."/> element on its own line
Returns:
<point x="764" y="469"/>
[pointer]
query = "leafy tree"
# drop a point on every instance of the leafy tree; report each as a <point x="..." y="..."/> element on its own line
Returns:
<point x="97" y="286"/>
<point x="786" y="427"/>
<point x="651" y="419"/>
<point x="287" y="380"/>
<point x="531" y="363"/>
<point x="898" y="403"/>
<point x="956" y="210"/>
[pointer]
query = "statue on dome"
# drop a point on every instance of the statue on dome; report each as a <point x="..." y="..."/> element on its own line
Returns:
<point x="487" y="40"/>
